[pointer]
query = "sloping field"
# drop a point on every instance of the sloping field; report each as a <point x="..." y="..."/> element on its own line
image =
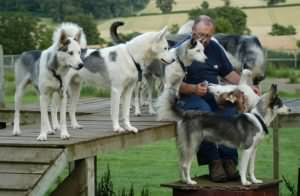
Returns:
<point x="192" y="4"/>
<point x="259" y="21"/>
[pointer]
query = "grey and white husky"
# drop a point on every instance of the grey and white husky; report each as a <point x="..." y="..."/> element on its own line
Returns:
<point x="47" y="71"/>
<point x="244" y="131"/>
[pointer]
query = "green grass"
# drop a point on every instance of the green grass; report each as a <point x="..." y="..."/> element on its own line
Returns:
<point x="282" y="72"/>
<point x="156" y="163"/>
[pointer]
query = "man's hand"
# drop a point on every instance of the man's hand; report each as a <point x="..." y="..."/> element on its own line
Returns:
<point x="200" y="89"/>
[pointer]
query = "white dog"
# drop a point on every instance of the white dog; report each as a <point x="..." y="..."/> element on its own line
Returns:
<point x="47" y="71"/>
<point x="119" y="67"/>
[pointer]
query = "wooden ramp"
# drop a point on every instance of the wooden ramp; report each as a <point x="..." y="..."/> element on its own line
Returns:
<point x="30" y="167"/>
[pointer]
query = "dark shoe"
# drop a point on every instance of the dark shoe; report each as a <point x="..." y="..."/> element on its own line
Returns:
<point x="230" y="169"/>
<point x="216" y="171"/>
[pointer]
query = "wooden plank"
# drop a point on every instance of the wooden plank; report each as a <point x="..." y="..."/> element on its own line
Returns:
<point x="42" y="186"/>
<point x="28" y="155"/>
<point x="23" y="168"/>
<point x="12" y="193"/>
<point x="2" y="94"/>
<point x="81" y="181"/>
<point x="18" y="181"/>
<point x="275" y="149"/>
<point x="120" y="141"/>
<point x="290" y="120"/>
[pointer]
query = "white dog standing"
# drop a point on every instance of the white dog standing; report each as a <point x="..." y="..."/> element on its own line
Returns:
<point x="46" y="70"/>
<point x="118" y="67"/>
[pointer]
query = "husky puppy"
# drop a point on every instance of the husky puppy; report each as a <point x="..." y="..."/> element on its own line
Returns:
<point x="244" y="131"/>
<point x="119" y="68"/>
<point x="46" y="70"/>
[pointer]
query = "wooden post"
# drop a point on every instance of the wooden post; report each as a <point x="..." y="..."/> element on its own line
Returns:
<point x="1" y="78"/>
<point x="81" y="182"/>
<point x="275" y="149"/>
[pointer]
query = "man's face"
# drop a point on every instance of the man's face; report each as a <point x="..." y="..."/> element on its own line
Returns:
<point x="203" y="32"/>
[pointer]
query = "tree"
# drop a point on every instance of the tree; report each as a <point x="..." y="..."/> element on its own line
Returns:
<point x="19" y="32"/>
<point x="89" y="26"/>
<point x="278" y="29"/>
<point x="273" y="2"/>
<point x="233" y="15"/>
<point x="223" y="25"/>
<point x="165" y="6"/>
<point x="204" y="5"/>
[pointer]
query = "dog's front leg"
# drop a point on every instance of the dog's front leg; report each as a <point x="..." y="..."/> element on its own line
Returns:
<point x="150" y="84"/>
<point x="63" y="117"/>
<point x="44" y="99"/>
<point x="137" y="99"/>
<point x="252" y="168"/>
<point x="54" y="110"/>
<point x="75" y="94"/>
<point x="243" y="165"/>
<point x="115" y="108"/>
<point x="126" y="109"/>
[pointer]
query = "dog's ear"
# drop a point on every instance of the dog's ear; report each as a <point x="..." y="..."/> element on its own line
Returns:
<point x="193" y="43"/>
<point x="273" y="91"/>
<point x="78" y="36"/>
<point x="162" y="33"/>
<point x="63" y="41"/>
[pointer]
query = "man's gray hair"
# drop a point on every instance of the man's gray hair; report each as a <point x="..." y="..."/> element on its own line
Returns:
<point x="205" y="19"/>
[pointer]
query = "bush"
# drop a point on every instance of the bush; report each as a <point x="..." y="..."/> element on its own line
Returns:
<point x="20" y="32"/>
<point x="232" y="19"/>
<point x="298" y="43"/>
<point x="278" y="29"/>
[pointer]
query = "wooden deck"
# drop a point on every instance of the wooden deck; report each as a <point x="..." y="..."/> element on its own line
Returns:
<point x="29" y="167"/>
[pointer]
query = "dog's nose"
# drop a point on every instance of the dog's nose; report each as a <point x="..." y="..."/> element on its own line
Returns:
<point x="289" y="110"/>
<point x="80" y="66"/>
<point x="258" y="79"/>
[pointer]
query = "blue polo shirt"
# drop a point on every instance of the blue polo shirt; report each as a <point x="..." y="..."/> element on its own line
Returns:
<point x="216" y="64"/>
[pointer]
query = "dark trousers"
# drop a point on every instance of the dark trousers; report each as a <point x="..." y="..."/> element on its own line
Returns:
<point x="209" y="151"/>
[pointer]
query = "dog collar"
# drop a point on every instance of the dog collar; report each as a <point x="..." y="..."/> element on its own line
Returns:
<point x="182" y="65"/>
<point x="138" y="67"/>
<point x="57" y="77"/>
<point x="263" y="124"/>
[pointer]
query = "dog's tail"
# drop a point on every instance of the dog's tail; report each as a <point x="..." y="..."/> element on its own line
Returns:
<point x="168" y="108"/>
<point x="114" y="32"/>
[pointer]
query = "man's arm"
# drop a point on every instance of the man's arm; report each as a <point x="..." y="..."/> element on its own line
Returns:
<point x="233" y="77"/>
<point x="198" y="89"/>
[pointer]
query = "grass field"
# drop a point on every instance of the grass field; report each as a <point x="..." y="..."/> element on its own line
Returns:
<point x="156" y="163"/>
<point x="258" y="20"/>
<point x="192" y="4"/>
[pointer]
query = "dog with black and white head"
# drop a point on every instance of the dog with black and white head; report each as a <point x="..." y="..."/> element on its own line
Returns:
<point x="244" y="131"/>
<point x="47" y="71"/>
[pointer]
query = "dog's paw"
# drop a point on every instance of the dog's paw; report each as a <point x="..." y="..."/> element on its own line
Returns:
<point x="42" y="137"/>
<point x="191" y="182"/>
<point x="118" y="129"/>
<point x="55" y="128"/>
<point x="246" y="183"/>
<point x="77" y="126"/>
<point x="137" y="114"/>
<point x="256" y="181"/>
<point x="131" y="129"/>
<point x="16" y="132"/>
<point x="64" y="135"/>
<point x="51" y="131"/>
